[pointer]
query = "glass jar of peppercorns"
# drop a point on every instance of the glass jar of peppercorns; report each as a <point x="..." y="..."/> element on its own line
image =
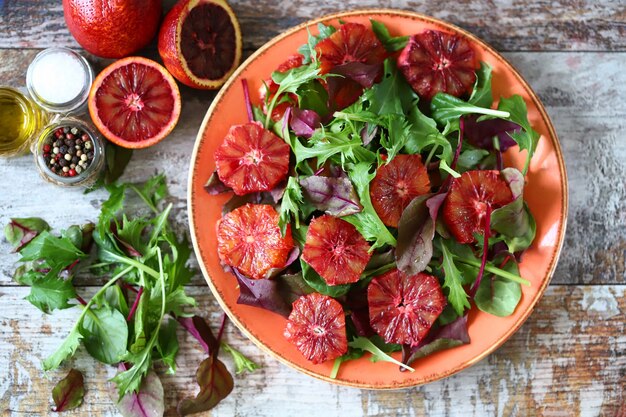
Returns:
<point x="69" y="152"/>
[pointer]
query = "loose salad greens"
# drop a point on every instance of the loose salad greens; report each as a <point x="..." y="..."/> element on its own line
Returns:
<point x="130" y="321"/>
<point x="394" y="212"/>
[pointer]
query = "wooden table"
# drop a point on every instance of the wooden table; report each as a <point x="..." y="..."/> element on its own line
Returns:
<point x="570" y="356"/>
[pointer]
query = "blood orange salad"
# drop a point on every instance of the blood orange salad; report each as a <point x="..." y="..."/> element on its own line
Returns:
<point x="371" y="206"/>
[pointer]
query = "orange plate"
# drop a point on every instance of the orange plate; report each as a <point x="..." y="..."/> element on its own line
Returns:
<point x="546" y="194"/>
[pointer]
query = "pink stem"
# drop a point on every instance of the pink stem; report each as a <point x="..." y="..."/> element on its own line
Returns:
<point x="135" y="304"/>
<point x="246" y="96"/>
<point x="460" y="144"/>
<point x="129" y="287"/>
<point x="81" y="300"/>
<point x="499" y="164"/>
<point x="481" y="271"/>
<point x="69" y="268"/>
<point x="219" y="334"/>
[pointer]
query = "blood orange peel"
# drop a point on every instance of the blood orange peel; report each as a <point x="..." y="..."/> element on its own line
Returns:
<point x="200" y="43"/>
<point x="134" y="102"/>
<point x="403" y="308"/>
<point x="252" y="159"/>
<point x="396" y="184"/>
<point x="249" y="239"/>
<point x="471" y="196"/>
<point x="434" y="61"/>
<point x="317" y="326"/>
<point x="335" y="250"/>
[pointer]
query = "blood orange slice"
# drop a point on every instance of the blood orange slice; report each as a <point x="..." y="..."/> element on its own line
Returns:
<point x="396" y="184"/>
<point x="200" y="42"/>
<point x="317" y="326"/>
<point x="249" y="239"/>
<point x="336" y="250"/>
<point x="467" y="201"/>
<point x="251" y="159"/>
<point x="134" y="102"/>
<point x="434" y="62"/>
<point x="352" y="42"/>
<point x="402" y="308"/>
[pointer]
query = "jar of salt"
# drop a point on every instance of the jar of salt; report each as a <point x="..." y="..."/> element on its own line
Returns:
<point x="59" y="80"/>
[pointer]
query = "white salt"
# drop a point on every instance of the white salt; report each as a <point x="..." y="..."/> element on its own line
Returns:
<point x="58" y="77"/>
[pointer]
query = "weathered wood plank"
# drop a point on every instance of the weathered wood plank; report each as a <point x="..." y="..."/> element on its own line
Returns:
<point x="581" y="91"/>
<point x="508" y="25"/>
<point x="566" y="360"/>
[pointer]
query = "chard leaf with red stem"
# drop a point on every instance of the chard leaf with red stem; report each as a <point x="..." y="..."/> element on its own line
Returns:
<point x="214" y="380"/>
<point x="20" y="231"/>
<point x="364" y="74"/>
<point x="200" y="330"/>
<point x="335" y="196"/>
<point x="292" y="286"/>
<point x="68" y="393"/>
<point x="148" y="401"/>
<point x="262" y="293"/>
<point x="498" y="296"/>
<point x="481" y="133"/>
<point x="304" y="122"/>
<point x="446" y="337"/>
<point x="416" y="230"/>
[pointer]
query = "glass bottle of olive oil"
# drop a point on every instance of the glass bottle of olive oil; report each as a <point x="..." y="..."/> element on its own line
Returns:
<point x="20" y="121"/>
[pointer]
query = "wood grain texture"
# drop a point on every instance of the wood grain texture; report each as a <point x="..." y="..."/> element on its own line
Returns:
<point x="567" y="360"/>
<point x="534" y="25"/>
<point x="580" y="90"/>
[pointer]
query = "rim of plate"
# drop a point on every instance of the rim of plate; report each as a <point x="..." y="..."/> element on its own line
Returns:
<point x="552" y="137"/>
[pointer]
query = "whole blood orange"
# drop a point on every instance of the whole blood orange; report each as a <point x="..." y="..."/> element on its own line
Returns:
<point x="134" y="102"/>
<point x="434" y="61"/>
<point x="252" y="159"/>
<point x="396" y="184"/>
<point x="402" y="308"/>
<point x="112" y="28"/>
<point x="466" y="203"/>
<point x="249" y="239"/>
<point x="200" y="42"/>
<point x="336" y="250"/>
<point x="317" y="326"/>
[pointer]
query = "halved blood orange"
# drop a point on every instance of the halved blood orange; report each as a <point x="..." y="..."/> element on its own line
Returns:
<point x="352" y="42"/>
<point x="134" y="102"/>
<point x="396" y="184"/>
<point x="336" y="250"/>
<point x="249" y="239"/>
<point x="467" y="201"/>
<point x="434" y="61"/>
<point x="251" y="159"/>
<point x="402" y="308"/>
<point x="317" y="326"/>
<point x="200" y="42"/>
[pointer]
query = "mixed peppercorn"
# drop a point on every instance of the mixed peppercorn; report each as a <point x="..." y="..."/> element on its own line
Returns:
<point x="68" y="151"/>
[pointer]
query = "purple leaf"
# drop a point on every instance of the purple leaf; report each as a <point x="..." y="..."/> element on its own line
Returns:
<point x="262" y="293"/>
<point x="147" y="402"/>
<point x="304" y="122"/>
<point x="199" y="329"/>
<point x="364" y="74"/>
<point x="241" y="200"/>
<point x="293" y="255"/>
<point x="215" y="186"/>
<point x="416" y="230"/>
<point x="292" y="286"/>
<point x="481" y="134"/>
<point x="451" y="335"/>
<point x="361" y="320"/>
<point x="68" y="393"/>
<point x="215" y="384"/>
<point x="335" y="196"/>
<point x="277" y="192"/>
<point x="513" y="219"/>
<point x="368" y="133"/>
<point x="342" y="92"/>
<point x="19" y="232"/>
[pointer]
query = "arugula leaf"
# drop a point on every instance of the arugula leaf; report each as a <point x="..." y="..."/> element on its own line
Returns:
<point x="326" y="144"/>
<point x="242" y="363"/>
<point x="290" y="205"/>
<point x="446" y="108"/>
<point x="367" y="221"/>
<point x="453" y="281"/>
<point x="105" y="334"/>
<point x="66" y="350"/>
<point x="68" y="393"/>
<point x="528" y="137"/>
<point x="393" y="95"/>
<point x="366" y="345"/>
<point x="308" y="49"/>
<point x="167" y="345"/>
<point x="424" y="134"/>
<point x="391" y="43"/>
<point x="481" y="94"/>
